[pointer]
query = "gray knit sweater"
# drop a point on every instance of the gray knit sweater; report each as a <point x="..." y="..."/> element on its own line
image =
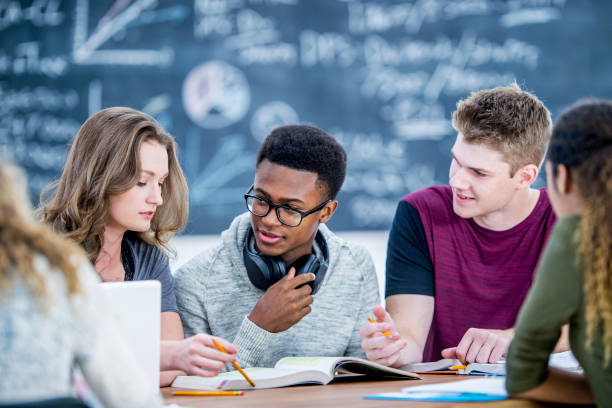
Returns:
<point x="215" y="296"/>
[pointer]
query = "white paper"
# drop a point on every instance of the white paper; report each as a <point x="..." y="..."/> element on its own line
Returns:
<point x="487" y="385"/>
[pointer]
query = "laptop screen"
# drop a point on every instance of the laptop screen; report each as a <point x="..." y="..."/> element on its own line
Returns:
<point x="135" y="306"/>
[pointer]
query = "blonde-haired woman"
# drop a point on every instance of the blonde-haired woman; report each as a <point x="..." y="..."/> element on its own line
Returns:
<point x="573" y="282"/>
<point x="122" y="196"/>
<point x="52" y="315"/>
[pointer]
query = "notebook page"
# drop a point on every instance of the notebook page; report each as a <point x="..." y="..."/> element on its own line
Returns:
<point x="487" y="385"/>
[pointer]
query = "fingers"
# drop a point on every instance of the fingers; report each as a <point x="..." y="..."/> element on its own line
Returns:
<point x="291" y="274"/>
<point x="386" y="354"/>
<point x="450" y="352"/>
<point x="481" y="346"/>
<point x="202" y="373"/>
<point x="303" y="291"/>
<point x="206" y="363"/>
<point x="302" y="307"/>
<point x="372" y="329"/>
<point x="300" y="279"/>
<point x="381" y="314"/>
<point x="378" y="340"/>
<point x="482" y="355"/>
<point x="500" y="349"/>
<point x="478" y="341"/>
<point x="464" y="345"/>
<point x="378" y="347"/>
<point x="229" y="347"/>
<point x="303" y="312"/>
<point x="205" y="367"/>
<point x="202" y="345"/>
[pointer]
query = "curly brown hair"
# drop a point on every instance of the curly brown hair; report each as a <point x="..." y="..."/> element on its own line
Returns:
<point x="103" y="161"/>
<point x="582" y="141"/>
<point x="507" y="119"/>
<point x="21" y="238"/>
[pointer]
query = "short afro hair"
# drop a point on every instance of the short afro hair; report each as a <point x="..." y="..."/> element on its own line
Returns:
<point x="304" y="147"/>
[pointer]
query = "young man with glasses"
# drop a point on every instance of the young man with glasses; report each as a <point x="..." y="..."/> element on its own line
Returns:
<point x="281" y="283"/>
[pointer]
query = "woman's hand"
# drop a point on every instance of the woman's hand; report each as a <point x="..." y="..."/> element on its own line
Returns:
<point x="197" y="355"/>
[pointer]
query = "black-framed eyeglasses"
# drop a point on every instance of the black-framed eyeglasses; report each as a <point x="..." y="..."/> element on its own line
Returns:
<point x="289" y="216"/>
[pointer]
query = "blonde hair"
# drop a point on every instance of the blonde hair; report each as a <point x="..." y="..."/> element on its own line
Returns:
<point x="582" y="141"/>
<point x="507" y="119"/>
<point x="21" y="238"/>
<point x="103" y="161"/>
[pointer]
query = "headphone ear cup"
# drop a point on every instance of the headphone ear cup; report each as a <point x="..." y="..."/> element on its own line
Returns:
<point x="263" y="271"/>
<point x="277" y="267"/>
<point x="320" y="268"/>
<point x="311" y="264"/>
<point x="304" y="264"/>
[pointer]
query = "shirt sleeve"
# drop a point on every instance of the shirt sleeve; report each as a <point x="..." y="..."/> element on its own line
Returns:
<point x="369" y="298"/>
<point x="409" y="267"/>
<point x="160" y="270"/>
<point x="252" y="341"/>
<point x="551" y="302"/>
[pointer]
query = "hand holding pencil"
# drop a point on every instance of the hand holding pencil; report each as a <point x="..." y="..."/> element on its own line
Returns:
<point x="386" y="333"/>
<point x="197" y="355"/>
<point x="380" y="338"/>
<point x="235" y="364"/>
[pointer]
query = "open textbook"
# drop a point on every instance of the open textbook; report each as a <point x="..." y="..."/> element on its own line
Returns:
<point x="292" y="371"/>
<point x="565" y="361"/>
<point x="447" y="364"/>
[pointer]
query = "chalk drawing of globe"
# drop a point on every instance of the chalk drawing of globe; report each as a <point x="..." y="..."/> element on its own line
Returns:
<point x="270" y="116"/>
<point x="216" y="94"/>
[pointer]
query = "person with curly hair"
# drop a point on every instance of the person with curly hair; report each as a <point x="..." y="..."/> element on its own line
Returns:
<point x="573" y="283"/>
<point x="281" y="283"/>
<point x="122" y="196"/>
<point x="53" y="315"/>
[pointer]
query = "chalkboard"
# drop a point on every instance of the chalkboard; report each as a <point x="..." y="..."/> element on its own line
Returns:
<point x="383" y="77"/>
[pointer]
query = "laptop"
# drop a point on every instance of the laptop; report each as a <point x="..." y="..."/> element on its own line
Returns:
<point x="136" y="306"/>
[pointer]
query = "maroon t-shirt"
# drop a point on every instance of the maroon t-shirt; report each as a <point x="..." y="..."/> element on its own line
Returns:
<point x="481" y="277"/>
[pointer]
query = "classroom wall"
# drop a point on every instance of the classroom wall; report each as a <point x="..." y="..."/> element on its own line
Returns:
<point x="381" y="76"/>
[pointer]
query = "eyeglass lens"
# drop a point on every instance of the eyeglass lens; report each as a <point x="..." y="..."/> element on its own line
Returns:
<point x="260" y="208"/>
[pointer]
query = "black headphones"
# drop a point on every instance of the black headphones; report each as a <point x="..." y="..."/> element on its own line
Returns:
<point x="264" y="271"/>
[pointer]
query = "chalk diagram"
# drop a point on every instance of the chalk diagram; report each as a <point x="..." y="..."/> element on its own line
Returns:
<point x="270" y="116"/>
<point x="216" y="94"/>
<point x="122" y="15"/>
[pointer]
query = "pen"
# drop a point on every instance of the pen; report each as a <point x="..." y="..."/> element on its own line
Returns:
<point x="209" y="393"/>
<point x="246" y="377"/>
<point x="385" y="333"/>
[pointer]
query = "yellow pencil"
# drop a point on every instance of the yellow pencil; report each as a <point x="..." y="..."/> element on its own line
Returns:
<point x="209" y="393"/>
<point x="246" y="377"/>
<point x="374" y="321"/>
<point x="458" y="367"/>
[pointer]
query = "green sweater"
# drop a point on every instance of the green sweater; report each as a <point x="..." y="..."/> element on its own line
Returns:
<point x="556" y="298"/>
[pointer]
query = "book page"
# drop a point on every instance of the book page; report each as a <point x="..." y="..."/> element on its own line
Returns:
<point x="565" y="361"/>
<point x="341" y="366"/>
<point x="263" y="377"/>
<point x="498" y="368"/>
<point x="443" y="364"/>
<point x="323" y="364"/>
